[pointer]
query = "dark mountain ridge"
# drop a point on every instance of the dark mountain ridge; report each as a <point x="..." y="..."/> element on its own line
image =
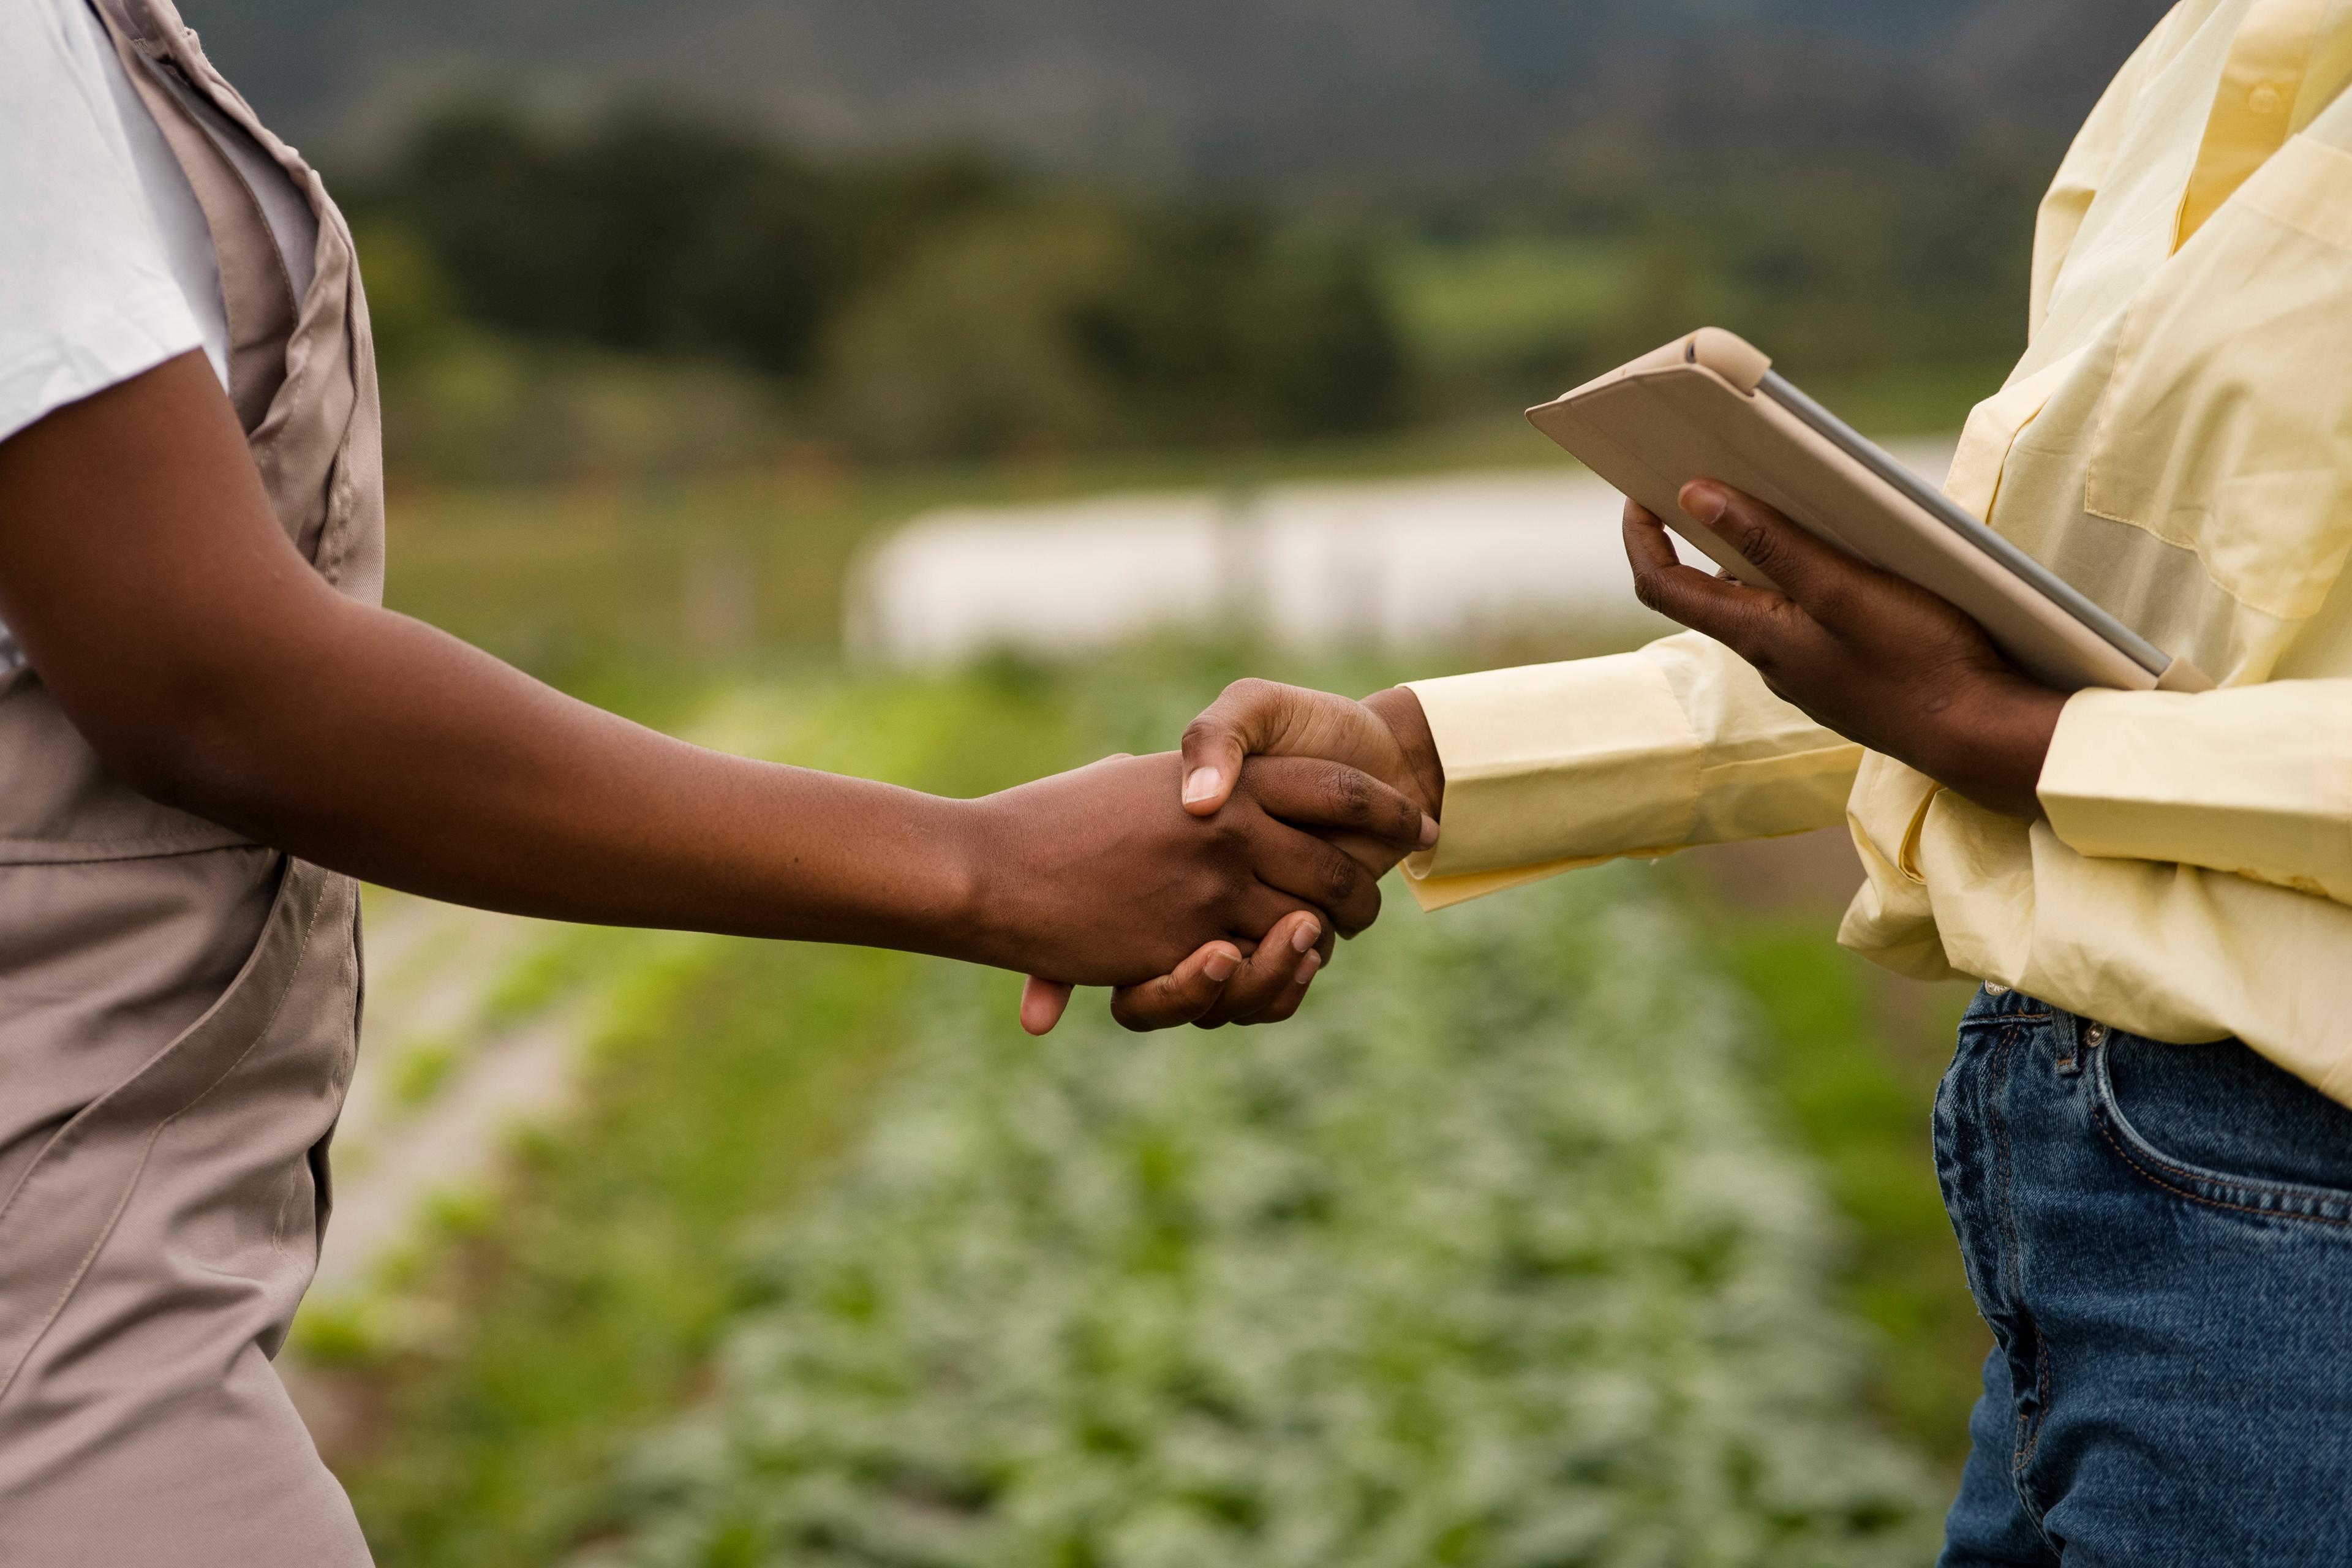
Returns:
<point x="1428" y="92"/>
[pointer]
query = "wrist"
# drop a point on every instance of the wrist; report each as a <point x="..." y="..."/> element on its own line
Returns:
<point x="1994" y="744"/>
<point x="976" y="924"/>
<point x="1408" y="726"/>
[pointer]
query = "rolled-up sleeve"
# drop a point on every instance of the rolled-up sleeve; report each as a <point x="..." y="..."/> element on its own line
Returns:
<point x="1551" y="767"/>
<point x="2254" y="780"/>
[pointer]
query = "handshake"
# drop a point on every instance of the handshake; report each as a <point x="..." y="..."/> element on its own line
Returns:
<point x="1210" y="887"/>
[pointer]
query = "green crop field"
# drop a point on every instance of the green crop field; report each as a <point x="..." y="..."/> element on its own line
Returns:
<point x="1492" y="1259"/>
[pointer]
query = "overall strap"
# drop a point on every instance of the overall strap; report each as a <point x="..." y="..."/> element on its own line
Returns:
<point x="255" y="289"/>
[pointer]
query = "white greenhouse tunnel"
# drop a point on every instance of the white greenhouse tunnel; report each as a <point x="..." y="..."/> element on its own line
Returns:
<point x="1399" y="564"/>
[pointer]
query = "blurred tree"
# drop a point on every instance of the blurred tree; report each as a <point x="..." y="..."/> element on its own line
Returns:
<point x="924" y="306"/>
<point x="977" y="343"/>
<point x="408" y="297"/>
<point x="650" y="232"/>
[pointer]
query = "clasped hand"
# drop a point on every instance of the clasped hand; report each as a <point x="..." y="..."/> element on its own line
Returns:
<point x="1195" y="910"/>
<point x="1326" y="836"/>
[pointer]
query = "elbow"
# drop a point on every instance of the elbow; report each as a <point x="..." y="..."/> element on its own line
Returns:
<point x="192" y="740"/>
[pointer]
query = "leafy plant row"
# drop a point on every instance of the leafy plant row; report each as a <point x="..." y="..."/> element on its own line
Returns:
<point x="1488" y="1260"/>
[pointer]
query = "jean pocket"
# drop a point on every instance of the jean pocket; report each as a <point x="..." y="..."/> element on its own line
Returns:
<point x="2217" y="1125"/>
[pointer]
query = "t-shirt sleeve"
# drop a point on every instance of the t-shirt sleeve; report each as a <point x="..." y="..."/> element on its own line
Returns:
<point x="86" y="294"/>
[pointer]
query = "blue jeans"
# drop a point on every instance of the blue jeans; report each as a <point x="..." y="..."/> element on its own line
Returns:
<point x="2161" y="1238"/>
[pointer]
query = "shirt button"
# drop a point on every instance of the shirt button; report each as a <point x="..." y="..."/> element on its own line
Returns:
<point x="2266" y="100"/>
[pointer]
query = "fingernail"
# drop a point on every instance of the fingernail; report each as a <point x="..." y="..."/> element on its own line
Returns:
<point x="1304" y="939"/>
<point x="1704" y="503"/>
<point x="1203" y="783"/>
<point x="1306" y="968"/>
<point x="1428" y="830"/>
<point x="1220" y="965"/>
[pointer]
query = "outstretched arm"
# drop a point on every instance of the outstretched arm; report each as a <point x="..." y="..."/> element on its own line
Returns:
<point x="154" y="593"/>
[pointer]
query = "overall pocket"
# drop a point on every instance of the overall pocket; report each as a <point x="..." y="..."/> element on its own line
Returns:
<point x="2226" y="428"/>
<point x="2219" y="1126"/>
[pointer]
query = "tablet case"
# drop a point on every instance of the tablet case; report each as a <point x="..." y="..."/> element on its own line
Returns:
<point x="1693" y="410"/>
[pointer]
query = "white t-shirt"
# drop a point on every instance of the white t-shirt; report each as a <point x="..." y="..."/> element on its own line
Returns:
<point x="105" y="266"/>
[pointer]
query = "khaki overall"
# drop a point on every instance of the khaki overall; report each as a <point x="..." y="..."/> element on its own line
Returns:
<point x="179" y="1009"/>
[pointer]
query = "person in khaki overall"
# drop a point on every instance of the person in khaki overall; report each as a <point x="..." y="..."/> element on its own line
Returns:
<point x="153" y="1249"/>
<point x="213" y="727"/>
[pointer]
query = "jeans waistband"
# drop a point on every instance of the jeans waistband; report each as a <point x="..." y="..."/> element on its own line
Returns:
<point x="2069" y="1033"/>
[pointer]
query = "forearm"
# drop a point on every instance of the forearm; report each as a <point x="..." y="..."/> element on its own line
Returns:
<point x="211" y="668"/>
<point x="371" y="743"/>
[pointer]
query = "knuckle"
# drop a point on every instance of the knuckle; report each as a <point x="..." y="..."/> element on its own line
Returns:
<point x="1405" y="820"/>
<point x="1343" y="879"/>
<point x="1203" y="731"/>
<point x="1649" y="592"/>
<point x="1248" y="695"/>
<point x="1788" y="621"/>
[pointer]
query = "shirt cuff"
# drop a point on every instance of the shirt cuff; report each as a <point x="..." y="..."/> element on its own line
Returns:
<point x="1558" y="764"/>
<point x="2253" y="781"/>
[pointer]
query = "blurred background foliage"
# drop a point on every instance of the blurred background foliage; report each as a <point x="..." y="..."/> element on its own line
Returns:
<point x="925" y="309"/>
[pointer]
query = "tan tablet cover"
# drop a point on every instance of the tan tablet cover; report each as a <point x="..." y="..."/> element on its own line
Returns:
<point x="1692" y="411"/>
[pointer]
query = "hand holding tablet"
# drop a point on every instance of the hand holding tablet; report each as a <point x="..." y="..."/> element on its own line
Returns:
<point x="1710" y="407"/>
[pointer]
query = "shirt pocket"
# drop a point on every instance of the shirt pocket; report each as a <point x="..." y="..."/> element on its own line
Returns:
<point x="2226" y="428"/>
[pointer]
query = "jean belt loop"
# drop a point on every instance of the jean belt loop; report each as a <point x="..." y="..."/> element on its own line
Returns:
<point x="2071" y="1036"/>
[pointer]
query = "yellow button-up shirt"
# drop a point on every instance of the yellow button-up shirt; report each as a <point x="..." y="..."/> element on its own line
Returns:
<point x="2178" y="443"/>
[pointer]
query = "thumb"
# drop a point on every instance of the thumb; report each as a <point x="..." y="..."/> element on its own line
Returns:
<point x="1043" y="1003"/>
<point x="1245" y="719"/>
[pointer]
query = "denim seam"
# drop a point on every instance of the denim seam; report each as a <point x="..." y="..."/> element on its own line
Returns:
<point x="2026" y="1434"/>
<point x="1989" y="1021"/>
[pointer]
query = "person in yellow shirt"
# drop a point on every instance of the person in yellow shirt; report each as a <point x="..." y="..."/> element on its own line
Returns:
<point x="2144" y="1139"/>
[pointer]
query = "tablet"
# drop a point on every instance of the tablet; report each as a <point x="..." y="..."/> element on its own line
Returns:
<point x="1710" y="406"/>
